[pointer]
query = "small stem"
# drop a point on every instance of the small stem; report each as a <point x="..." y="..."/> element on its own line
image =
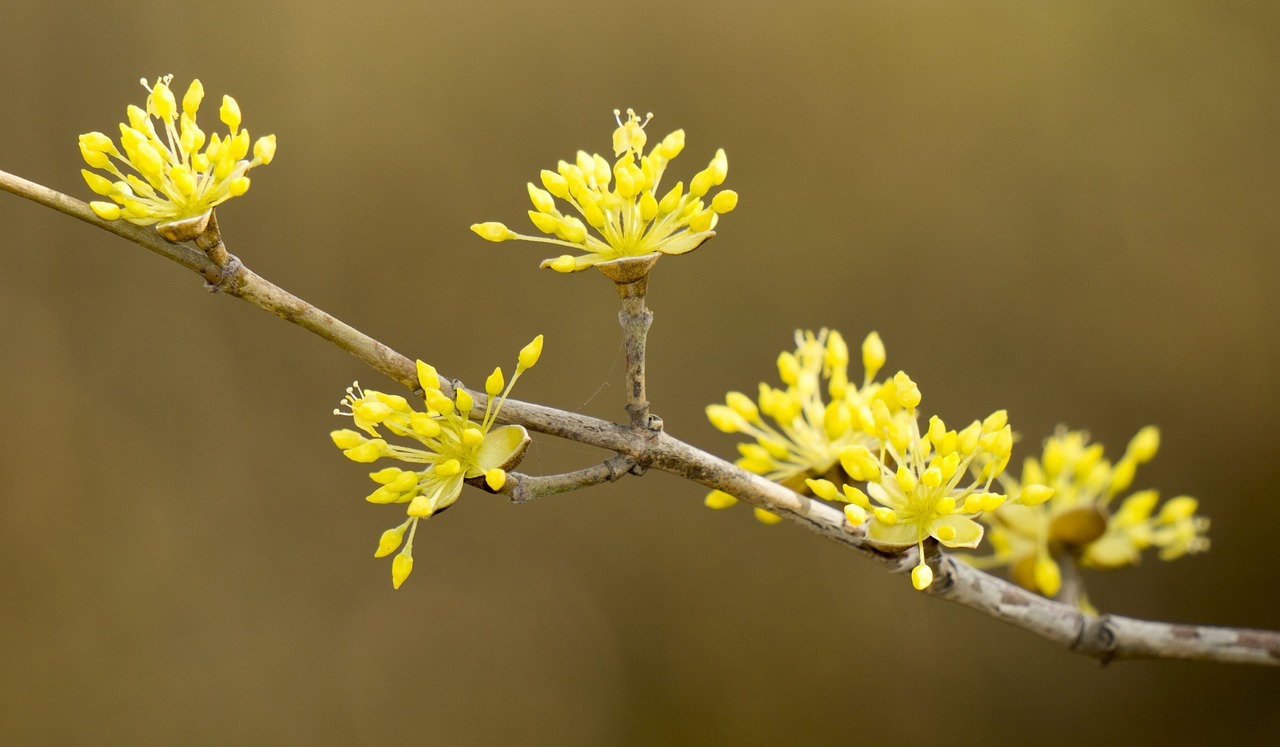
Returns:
<point x="211" y="242"/>
<point x="635" y="318"/>
<point x="525" y="488"/>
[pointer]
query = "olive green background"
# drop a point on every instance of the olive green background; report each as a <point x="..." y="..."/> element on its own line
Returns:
<point x="1065" y="209"/>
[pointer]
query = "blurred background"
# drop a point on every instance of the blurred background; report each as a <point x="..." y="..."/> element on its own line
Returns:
<point x="1067" y="210"/>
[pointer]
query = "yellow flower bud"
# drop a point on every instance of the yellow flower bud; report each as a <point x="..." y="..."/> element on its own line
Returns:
<point x="1034" y="495"/>
<point x="719" y="499"/>
<point x="725" y="201"/>
<point x="390" y="541"/>
<point x="824" y="489"/>
<point x="855" y="514"/>
<point x="494" y="384"/>
<point x="529" y="354"/>
<point x="191" y="101"/>
<point x="346" y="439"/>
<point x="401" y="567"/>
<point x="264" y="149"/>
<point x="873" y="355"/>
<point x="493" y="231"/>
<point x="766" y="517"/>
<point x="921" y="576"/>
<point x="230" y="114"/>
<point x="427" y="376"/>
<point x="495" y="478"/>
<point x="105" y="210"/>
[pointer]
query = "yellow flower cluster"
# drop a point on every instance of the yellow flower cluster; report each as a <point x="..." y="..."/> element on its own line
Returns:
<point x="801" y="430"/>
<point x="455" y="449"/>
<point x="622" y="203"/>
<point x="1079" y="524"/>
<point x="934" y="483"/>
<point x="167" y="177"/>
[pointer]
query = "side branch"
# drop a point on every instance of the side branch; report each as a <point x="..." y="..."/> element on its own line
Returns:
<point x="523" y="488"/>
<point x="1106" y="637"/>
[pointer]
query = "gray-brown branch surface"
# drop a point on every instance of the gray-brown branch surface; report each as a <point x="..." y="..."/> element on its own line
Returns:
<point x="1104" y="637"/>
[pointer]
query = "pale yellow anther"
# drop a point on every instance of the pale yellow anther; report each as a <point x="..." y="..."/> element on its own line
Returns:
<point x="719" y="499"/>
<point x="973" y="503"/>
<point x="725" y="201"/>
<point x="529" y="355"/>
<point x="401" y="567"/>
<point x="238" y="186"/>
<point x="230" y="114"/>
<point x="494" y="384"/>
<point x="921" y="576"/>
<point x="472" y="437"/>
<point x="945" y="533"/>
<point x="448" y="468"/>
<point x="945" y="506"/>
<point x="824" y="489"/>
<point x="855" y="514"/>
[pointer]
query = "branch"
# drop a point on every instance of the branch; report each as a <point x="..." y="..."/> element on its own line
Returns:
<point x="1104" y="637"/>
<point x="524" y="488"/>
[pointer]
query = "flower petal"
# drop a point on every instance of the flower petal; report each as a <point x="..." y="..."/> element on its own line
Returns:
<point x="896" y="535"/>
<point x="968" y="531"/>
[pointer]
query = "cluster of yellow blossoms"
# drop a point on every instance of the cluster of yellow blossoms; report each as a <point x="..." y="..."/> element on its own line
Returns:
<point x="819" y="434"/>
<point x="455" y="449"/>
<point x="1079" y="523"/>
<point x="934" y="483"/>
<point x="622" y="203"/>
<point x="172" y="179"/>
